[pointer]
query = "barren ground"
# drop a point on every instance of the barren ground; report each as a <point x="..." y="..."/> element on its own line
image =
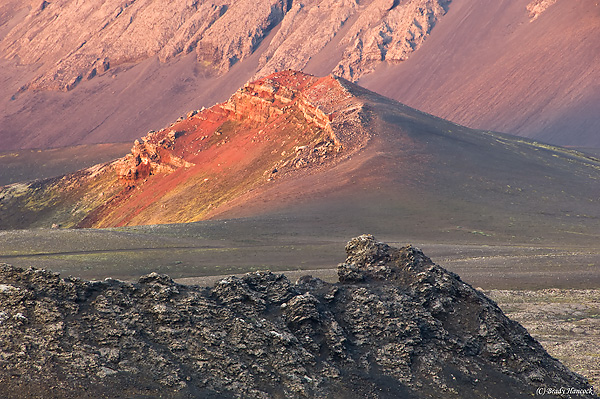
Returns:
<point x="565" y="322"/>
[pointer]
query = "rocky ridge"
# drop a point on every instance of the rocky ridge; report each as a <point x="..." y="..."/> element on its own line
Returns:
<point x="395" y="325"/>
<point x="321" y="106"/>
<point x="281" y="125"/>
<point x="75" y="42"/>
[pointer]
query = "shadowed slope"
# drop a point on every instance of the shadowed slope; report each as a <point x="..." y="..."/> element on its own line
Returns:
<point x="24" y="165"/>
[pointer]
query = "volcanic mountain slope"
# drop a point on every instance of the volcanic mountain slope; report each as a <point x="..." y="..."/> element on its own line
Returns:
<point x="523" y="67"/>
<point x="149" y="50"/>
<point x="327" y="152"/>
<point x="396" y="325"/>
<point x="274" y="128"/>
<point x="219" y="33"/>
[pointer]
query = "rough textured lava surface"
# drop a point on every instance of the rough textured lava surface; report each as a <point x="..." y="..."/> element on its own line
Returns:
<point x="396" y="325"/>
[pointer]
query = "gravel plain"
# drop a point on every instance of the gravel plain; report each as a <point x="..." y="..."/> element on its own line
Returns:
<point x="565" y="321"/>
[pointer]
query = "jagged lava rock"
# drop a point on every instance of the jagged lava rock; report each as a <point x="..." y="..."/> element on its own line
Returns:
<point x="396" y="325"/>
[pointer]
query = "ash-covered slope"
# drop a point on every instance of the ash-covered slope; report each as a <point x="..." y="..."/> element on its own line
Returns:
<point x="396" y="325"/>
<point x="522" y="67"/>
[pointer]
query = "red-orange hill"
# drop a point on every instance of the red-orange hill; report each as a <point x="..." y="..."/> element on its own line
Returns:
<point x="323" y="151"/>
<point x="271" y="128"/>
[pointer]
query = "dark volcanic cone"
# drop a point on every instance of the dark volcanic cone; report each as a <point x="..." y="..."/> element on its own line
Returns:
<point x="396" y="326"/>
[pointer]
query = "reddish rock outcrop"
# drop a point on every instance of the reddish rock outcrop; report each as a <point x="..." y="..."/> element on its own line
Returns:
<point x="273" y="128"/>
<point x="150" y="156"/>
<point x="270" y="105"/>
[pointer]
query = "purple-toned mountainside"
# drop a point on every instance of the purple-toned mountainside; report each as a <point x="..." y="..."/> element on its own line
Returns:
<point x="73" y="73"/>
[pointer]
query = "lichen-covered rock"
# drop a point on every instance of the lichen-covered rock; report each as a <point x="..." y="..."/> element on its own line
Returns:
<point x="396" y="325"/>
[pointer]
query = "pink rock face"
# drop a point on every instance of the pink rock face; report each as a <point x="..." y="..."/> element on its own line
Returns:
<point x="76" y="41"/>
<point x="536" y="7"/>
